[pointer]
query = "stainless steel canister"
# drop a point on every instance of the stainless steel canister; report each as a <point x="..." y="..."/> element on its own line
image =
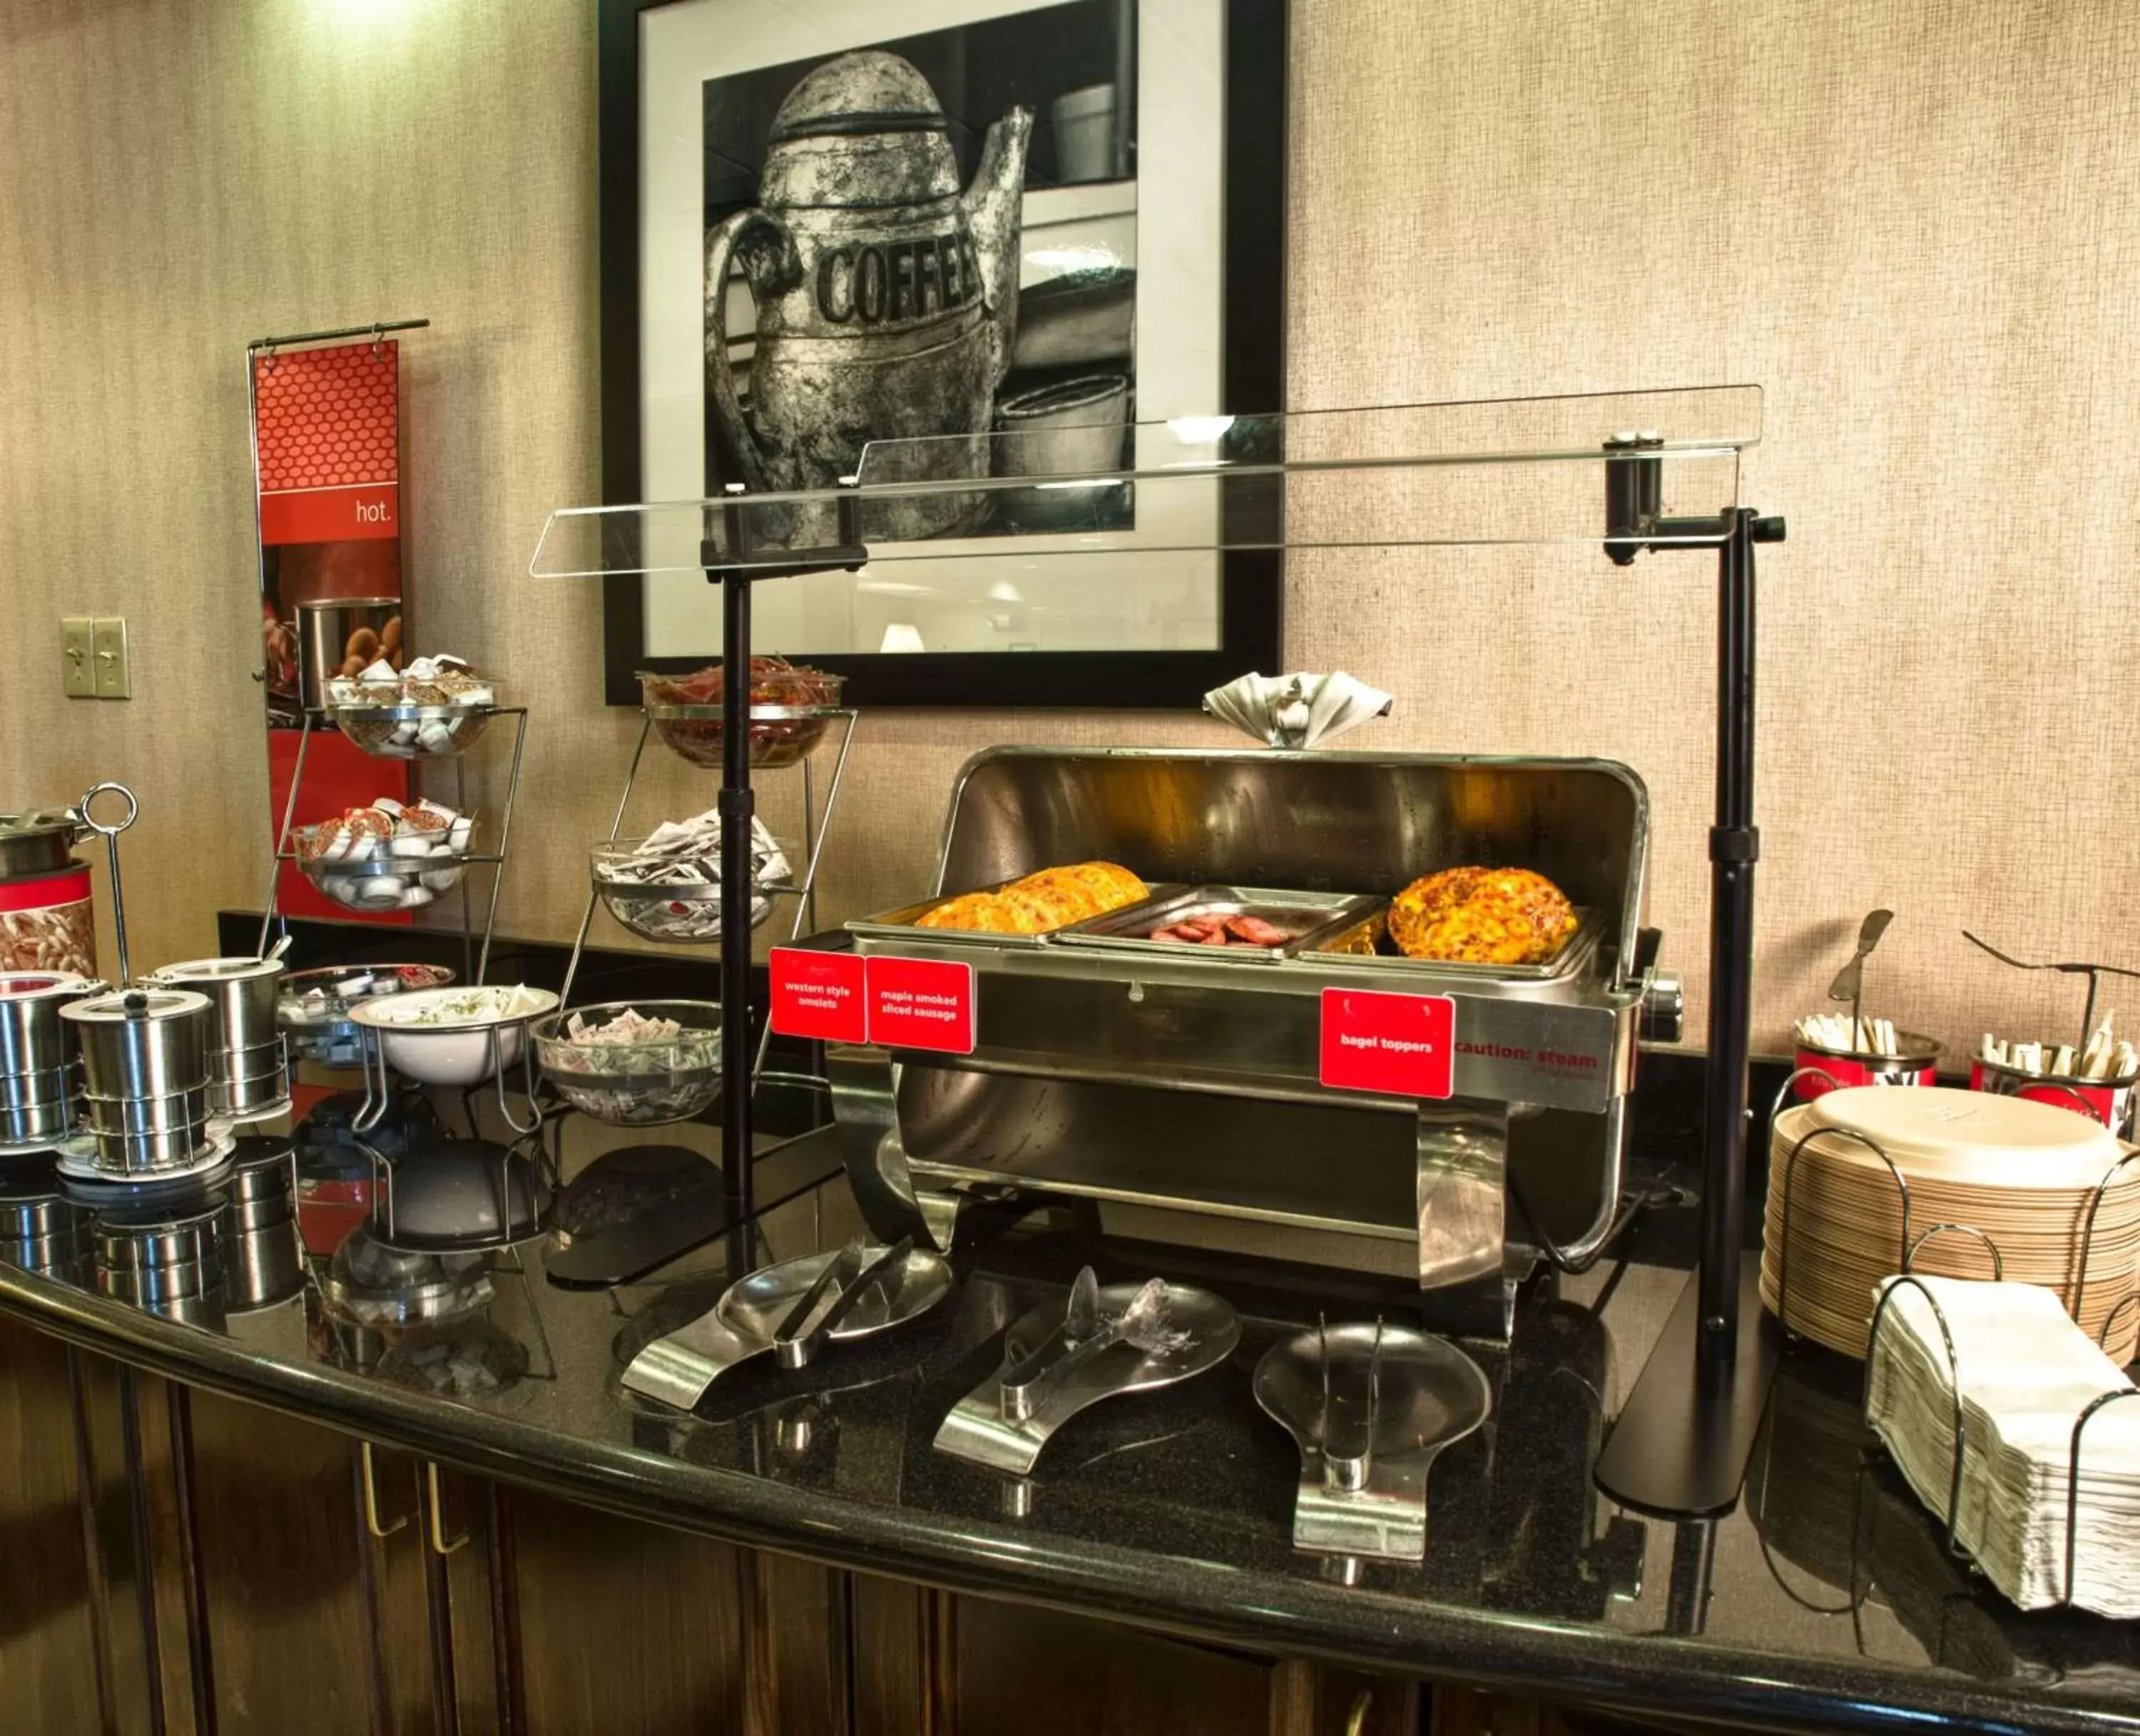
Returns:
<point x="235" y="1066"/>
<point x="37" y="1113"/>
<point x="243" y="992"/>
<point x="38" y="1083"/>
<point x="252" y="1095"/>
<point x="41" y="1229"/>
<point x="261" y="1188"/>
<point x="161" y="1260"/>
<point x="33" y="1038"/>
<point x="263" y="1255"/>
<point x="129" y="1156"/>
<point x="249" y="1081"/>
<point x="331" y="635"/>
<point x="142" y="1042"/>
<point x="167" y="1112"/>
<point x="261" y="1266"/>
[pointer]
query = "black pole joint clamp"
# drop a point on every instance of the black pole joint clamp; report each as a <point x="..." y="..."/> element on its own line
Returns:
<point x="1734" y="843"/>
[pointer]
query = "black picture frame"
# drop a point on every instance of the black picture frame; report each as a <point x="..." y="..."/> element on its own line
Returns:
<point x="1252" y="582"/>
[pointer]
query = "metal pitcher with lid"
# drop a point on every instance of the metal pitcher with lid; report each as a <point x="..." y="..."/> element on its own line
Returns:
<point x="887" y="298"/>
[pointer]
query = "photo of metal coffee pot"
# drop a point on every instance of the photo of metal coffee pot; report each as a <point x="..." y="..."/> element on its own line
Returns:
<point x="887" y="298"/>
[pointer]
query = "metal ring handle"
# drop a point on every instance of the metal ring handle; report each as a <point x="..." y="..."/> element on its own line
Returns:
<point x="1768" y="1553"/>
<point x="1998" y="1263"/>
<point x="2087" y="1232"/>
<point x="1954" y="1369"/>
<point x="1803" y="1072"/>
<point x="1356" y="1721"/>
<point x="371" y="1497"/>
<point x="440" y="1545"/>
<point x="2072" y="1477"/>
<point x="88" y="819"/>
<point x="1790" y="1166"/>
<point x="2110" y="1319"/>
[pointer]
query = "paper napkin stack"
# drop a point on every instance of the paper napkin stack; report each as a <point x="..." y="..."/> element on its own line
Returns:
<point x="2026" y="1373"/>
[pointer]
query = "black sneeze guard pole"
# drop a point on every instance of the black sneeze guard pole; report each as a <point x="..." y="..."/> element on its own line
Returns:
<point x="729" y="563"/>
<point x="1734" y="845"/>
<point x="1682" y="1440"/>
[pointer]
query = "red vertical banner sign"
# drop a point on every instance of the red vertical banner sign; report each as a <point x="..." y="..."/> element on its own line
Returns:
<point x="326" y="433"/>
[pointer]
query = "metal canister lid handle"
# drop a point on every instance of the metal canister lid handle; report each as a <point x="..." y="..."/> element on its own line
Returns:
<point x="110" y="836"/>
<point x="90" y="820"/>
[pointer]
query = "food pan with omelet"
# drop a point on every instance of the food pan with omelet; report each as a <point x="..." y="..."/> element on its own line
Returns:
<point x="1503" y="923"/>
<point x="1021" y="912"/>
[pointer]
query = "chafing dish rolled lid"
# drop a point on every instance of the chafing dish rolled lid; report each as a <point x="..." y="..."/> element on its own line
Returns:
<point x="1309" y="821"/>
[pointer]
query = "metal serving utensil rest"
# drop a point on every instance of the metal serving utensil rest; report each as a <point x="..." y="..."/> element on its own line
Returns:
<point x="1371" y="1407"/>
<point x="794" y="1310"/>
<point x="1061" y="1358"/>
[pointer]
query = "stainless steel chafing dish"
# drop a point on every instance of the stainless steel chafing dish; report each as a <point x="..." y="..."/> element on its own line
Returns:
<point x="1188" y="1080"/>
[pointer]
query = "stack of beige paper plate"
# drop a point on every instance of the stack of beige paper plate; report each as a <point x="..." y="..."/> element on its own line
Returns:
<point x="2023" y="1174"/>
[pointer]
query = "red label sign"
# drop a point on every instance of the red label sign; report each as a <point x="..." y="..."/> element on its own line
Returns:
<point x="1397" y="1045"/>
<point x="370" y="512"/>
<point x="921" y="1003"/>
<point x="818" y="995"/>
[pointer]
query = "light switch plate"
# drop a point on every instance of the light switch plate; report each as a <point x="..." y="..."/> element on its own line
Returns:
<point x="114" y="680"/>
<point x="78" y="657"/>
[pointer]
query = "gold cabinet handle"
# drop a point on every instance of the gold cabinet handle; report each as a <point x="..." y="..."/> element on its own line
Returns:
<point x="1356" y="1723"/>
<point x="371" y="1497"/>
<point x="439" y="1543"/>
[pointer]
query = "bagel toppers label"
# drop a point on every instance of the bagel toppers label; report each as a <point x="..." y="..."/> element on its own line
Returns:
<point x="1395" y="1045"/>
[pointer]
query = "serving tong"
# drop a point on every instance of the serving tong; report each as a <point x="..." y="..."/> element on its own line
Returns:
<point x="1370" y="1407"/>
<point x="1060" y="1359"/>
<point x="794" y="1310"/>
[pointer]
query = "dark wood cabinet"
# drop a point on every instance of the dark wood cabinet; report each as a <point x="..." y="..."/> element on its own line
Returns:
<point x="189" y="1564"/>
<point x="303" y="1619"/>
<point x="616" y="1626"/>
<point x="49" y="1672"/>
<point x="932" y="1663"/>
<point x="337" y="1587"/>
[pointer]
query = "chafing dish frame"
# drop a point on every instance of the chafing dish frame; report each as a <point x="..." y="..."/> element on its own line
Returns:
<point x="1072" y="1027"/>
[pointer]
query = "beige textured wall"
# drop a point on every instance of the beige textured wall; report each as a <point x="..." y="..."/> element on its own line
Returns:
<point x="182" y="175"/>
<point x="1917" y="225"/>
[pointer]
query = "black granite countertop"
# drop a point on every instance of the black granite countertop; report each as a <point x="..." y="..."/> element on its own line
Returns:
<point x="1825" y="1601"/>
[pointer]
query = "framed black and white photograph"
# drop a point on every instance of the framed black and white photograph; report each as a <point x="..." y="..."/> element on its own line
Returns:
<point x="953" y="220"/>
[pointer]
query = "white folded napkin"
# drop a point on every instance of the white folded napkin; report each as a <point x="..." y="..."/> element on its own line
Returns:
<point x="1297" y="710"/>
<point x="2025" y="1373"/>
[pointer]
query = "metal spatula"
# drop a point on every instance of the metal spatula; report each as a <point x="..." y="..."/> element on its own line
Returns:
<point x="1850" y="984"/>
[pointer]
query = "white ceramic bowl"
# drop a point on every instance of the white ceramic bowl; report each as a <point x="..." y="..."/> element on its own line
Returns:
<point x="463" y="1051"/>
